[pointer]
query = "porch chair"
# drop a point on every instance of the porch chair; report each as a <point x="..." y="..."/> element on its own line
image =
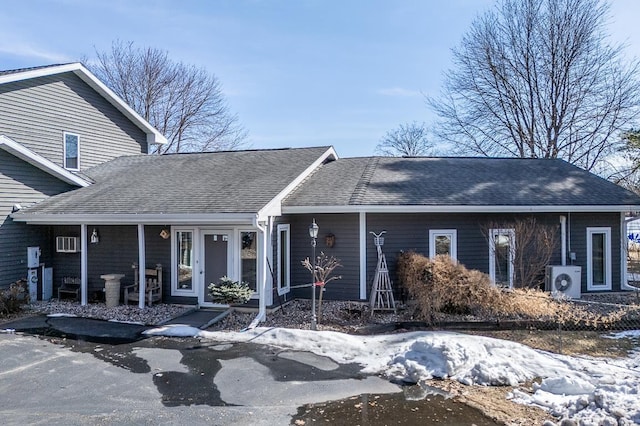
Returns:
<point x="69" y="285"/>
<point x="153" y="290"/>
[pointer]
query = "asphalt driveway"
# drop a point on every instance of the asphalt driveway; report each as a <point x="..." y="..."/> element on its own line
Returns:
<point x="56" y="380"/>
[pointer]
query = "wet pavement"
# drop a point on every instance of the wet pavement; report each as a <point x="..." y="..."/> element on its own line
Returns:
<point x="77" y="371"/>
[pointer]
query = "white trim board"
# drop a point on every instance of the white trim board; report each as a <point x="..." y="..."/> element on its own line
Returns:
<point x="457" y="209"/>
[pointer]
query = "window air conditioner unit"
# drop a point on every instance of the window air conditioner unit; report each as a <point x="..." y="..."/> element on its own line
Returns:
<point x="67" y="245"/>
<point x="563" y="280"/>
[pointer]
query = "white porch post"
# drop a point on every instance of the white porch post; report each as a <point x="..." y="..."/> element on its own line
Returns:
<point x="83" y="265"/>
<point x="624" y="247"/>
<point x="141" y="267"/>
<point x="363" y="255"/>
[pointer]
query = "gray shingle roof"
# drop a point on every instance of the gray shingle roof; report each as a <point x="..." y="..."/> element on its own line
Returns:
<point x="19" y="70"/>
<point x="457" y="182"/>
<point x="202" y="183"/>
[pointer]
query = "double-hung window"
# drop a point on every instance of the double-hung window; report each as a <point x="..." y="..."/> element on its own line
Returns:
<point x="71" y="151"/>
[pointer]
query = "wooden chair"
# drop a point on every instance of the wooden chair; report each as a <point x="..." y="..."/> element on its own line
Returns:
<point x="70" y="285"/>
<point x="153" y="290"/>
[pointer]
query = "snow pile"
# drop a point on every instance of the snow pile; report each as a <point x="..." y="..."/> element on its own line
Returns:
<point x="594" y="391"/>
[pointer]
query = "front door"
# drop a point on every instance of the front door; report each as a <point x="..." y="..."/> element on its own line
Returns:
<point x="216" y="260"/>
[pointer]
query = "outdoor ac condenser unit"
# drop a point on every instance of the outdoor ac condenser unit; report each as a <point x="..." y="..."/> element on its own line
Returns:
<point x="564" y="280"/>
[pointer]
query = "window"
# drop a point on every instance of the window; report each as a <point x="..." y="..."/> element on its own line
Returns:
<point x="249" y="258"/>
<point x="502" y="250"/>
<point x="71" y="151"/>
<point x="184" y="261"/>
<point x="67" y="244"/>
<point x="598" y="259"/>
<point x="443" y="242"/>
<point x="284" y="259"/>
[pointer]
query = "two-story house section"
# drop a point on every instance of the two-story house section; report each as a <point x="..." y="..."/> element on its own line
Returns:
<point x="55" y="122"/>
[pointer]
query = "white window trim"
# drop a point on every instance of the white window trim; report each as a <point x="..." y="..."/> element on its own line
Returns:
<point x="607" y="253"/>
<point x="175" y="291"/>
<point x="492" y="253"/>
<point x="64" y="149"/>
<point x="451" y="233"/>
<point x="286" y="288"/>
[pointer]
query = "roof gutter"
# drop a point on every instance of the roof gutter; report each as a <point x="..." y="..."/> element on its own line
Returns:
<point x="133" y="219"/>
<point x="457" y="209"/>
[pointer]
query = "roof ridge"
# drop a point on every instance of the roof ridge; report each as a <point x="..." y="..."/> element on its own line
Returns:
<point x="361" y="187"/>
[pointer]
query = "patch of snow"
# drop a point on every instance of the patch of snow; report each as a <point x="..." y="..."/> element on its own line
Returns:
<point x="628" y="334"/>
<point x="61" y="315"/>
<point x="587" y="390"/>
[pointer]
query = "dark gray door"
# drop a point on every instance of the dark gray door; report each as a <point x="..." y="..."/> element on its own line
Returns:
<point x="215" y="259"/>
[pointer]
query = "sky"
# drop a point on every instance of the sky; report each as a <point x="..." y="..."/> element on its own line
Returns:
<point x="587" y="390"/>
<point x="296" y="72"/>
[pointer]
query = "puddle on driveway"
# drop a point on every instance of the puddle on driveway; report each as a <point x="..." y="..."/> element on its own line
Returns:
<point x="184" y="373"/>
<point x="369" y="410"/>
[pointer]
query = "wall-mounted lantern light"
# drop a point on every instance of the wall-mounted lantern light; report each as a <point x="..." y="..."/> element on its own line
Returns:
<point x="95" y="239"/>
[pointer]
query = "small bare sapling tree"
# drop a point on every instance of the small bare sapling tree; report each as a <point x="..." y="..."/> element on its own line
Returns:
<point x="323" y="274"/>
<point x="408" y="140"/>
<point x="535" y="244"/>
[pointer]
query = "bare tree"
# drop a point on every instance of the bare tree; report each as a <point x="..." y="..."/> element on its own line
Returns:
<point x="539" y="79"/>
<point x="322" y="274"/>
<point x="409" y="139"/>
<point x="184" y="103"/>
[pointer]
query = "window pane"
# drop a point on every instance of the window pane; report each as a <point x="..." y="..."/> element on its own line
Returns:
<point x="502" y="259"/>
<point x="284" y="255"/>
<point x="184" y="240"/>
<point x="71" y="151"/>
<point x="443" y="244"/>
<point x="597" y="256"/>
<point x="248" y="257"/>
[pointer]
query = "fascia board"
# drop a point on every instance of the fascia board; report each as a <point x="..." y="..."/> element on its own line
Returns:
<point x="133" y="219"/>
<point x="153" y="135"/>
<point x="274" y="207"/>
<point x="458" y="209"/>
<point x="25" y="154"/>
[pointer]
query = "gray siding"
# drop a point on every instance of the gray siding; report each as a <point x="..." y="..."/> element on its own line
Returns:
<point x="36" y="112"/>
<point x="578" y="224"/>
<point x="406" y="232"/>
<point x="115" y="253"/>
<point x="411" y="232"/>
<point x="21" y="183"/>
<point x="346" y="230"/>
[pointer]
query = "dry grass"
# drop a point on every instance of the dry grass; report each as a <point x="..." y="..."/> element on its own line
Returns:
<point x="590" y="343"/>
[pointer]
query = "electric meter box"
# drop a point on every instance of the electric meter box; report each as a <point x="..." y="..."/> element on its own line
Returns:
<point x="33" y="257"/>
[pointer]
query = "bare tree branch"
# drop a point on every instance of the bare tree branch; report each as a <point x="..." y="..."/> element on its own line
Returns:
<point x="184" y="103"/>
<point x="539" y="79"/>
<point x="409" y="140"/>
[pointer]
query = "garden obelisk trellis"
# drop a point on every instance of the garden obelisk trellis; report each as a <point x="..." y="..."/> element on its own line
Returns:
<point x="381" y="291"/>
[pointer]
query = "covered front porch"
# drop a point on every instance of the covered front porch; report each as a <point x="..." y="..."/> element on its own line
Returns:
<point x="192" y="256"/>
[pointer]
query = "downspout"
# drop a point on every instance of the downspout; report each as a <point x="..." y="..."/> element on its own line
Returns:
<point x="563" y="236"/>
<point x="262" y="303"/>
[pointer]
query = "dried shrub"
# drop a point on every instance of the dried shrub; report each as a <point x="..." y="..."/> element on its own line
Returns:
<point x="443" y="286"/>
<point x="12" y="299"/>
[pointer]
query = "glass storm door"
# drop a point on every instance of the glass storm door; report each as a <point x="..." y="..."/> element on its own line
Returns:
<point x="216" y="259"/>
